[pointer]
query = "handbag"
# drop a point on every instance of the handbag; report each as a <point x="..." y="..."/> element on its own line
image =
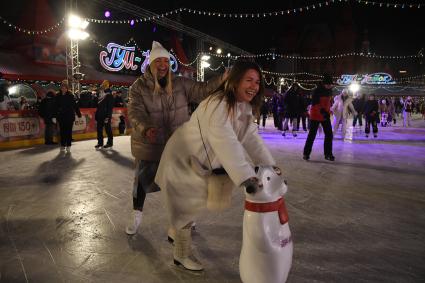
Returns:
<point x="220" y="185"/>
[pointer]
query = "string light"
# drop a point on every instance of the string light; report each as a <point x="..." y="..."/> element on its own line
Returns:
<point x="336" y="56"/>
<point x="411" y="78"/>
<point x="390" y="5"/>
<point x="254" y="16"/>
<point x="216" y="69"/>
<point x="186" y="65"/>
<point x="32" y="32"/>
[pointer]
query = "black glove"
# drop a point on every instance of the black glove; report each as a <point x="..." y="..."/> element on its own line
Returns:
<point x="251" y="185"/>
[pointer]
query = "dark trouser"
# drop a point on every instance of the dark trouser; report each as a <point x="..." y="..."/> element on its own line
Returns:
<point x="48" y="131"/>
<point x="264" y="119"/>
<point x="327" y="128"/>
<point x="66" y="132"/>
<point x="144" y="177"/>
<point x="108" y="129"/>
<point x="276" y="119"/>
<point x="358" y="116"/>
<point x="280" y="121"/>
<point x="374" y="125"/>
<point x="303" y="119"/>
<point x="139" y="201"/>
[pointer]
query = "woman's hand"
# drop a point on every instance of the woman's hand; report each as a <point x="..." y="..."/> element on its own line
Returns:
<point x="277" y="170"/>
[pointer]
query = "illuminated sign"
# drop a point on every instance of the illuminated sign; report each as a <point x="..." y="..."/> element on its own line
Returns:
<point x="370" y="79"/>
<point x="116" y="57"/>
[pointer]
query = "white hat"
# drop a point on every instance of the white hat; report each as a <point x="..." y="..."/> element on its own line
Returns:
<point x="158" y="51"/>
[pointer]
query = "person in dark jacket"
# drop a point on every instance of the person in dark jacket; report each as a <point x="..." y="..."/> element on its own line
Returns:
<point x="103" y="115"/>
<point x="67" y="108"/>
<point x="358" y="104"/>
<point x="302" y="111"/>
<point x="371" y="109"/>
<point x="291" y="106"/>
<point x="48" y="111"/>
<point x="264" y="111"/>
<point x="118" y="101"/>
<point x="320" y="114"/>
<point x="275" y="110"/>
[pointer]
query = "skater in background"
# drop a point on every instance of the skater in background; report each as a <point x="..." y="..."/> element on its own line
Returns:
<point x="371" y="115"/>
<point x="383" y="109"/>
<point x="358" y="103"/>
<point x="264" y="111"/>
<point x="407" y="112"/>
<point x="103" y="115"/>
<point x="48" y="111"/>
<point x="121" y="125"/>
<point x="337" y="109"/>
<point x="391" y="112"/>
<point x="67" y="109"/>
<point x="291" y="106"/>
<point x="343" y="109"/>
<point x="320" y="115"/>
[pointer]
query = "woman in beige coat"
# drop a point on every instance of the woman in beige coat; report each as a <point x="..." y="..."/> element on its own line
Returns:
<point x="158" y="104"/>
<point x="342" y="110"/>
<point x="220" y="134"/>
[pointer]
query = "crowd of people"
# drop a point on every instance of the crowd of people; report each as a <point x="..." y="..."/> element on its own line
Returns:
<point x="291" y="109"/>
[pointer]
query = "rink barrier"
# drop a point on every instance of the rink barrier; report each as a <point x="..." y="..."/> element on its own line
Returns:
<point x="25" y="128"/>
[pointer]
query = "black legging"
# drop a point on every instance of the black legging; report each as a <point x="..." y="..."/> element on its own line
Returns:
<point x="108" y="129"/>
<point x="66" y="132"/>
<point x="327" y="128"/>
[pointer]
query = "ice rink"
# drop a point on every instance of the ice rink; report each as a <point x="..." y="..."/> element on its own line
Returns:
<point x="358" y="219"/>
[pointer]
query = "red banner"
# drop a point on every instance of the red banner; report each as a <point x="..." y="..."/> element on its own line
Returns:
<point x="26" y="127"/>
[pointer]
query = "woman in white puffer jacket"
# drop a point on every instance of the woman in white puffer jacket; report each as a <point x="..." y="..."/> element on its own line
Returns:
<point x="342" y="109"/>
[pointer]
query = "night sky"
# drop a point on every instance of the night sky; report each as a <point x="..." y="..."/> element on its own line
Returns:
<point x="391" y="31"/>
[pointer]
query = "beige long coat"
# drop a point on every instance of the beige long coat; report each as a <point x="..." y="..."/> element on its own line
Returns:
<point x="232" y="143"/>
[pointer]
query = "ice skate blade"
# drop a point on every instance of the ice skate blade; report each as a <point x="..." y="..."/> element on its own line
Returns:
<point x="182" y="267"/>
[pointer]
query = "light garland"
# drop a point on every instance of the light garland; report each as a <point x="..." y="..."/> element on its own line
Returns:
<point x="271" y="81"/>
<point x="390" y="5"/>
<point x="259" y="15"/>
<point x="97" y="43"/>
<point x="32" y="32"/>
<point x="275" y="56"/>
<point x="186" y="65"/>
<point x="302" y="74"/>
<point x="411" y="78"/>
<point x="216" y="69"/>
<point x="263" y="14"/>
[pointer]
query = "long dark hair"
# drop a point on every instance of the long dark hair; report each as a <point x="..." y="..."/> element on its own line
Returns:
<point x="227" y="89"/>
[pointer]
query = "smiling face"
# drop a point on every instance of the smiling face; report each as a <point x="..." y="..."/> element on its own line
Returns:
<point x="161" y="65"/>
<point x="248" y="86"/>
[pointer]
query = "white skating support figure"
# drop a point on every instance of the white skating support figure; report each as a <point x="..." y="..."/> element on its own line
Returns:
<point x="267" y="248"/>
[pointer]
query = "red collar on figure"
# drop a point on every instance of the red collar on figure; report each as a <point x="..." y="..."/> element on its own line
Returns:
<point x="278" y="206"/>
